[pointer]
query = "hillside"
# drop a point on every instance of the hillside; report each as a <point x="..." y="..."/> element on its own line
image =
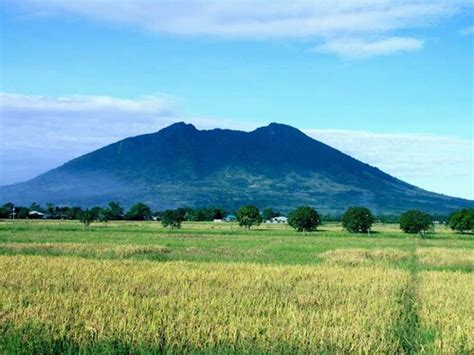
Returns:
<point x="275" y="166"/>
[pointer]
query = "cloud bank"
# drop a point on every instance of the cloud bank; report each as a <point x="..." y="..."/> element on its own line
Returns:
<point x="353" y="28"/>
<point x="441" y="164"/>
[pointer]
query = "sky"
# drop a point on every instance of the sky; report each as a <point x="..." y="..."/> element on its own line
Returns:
<point x="388" y="82"/>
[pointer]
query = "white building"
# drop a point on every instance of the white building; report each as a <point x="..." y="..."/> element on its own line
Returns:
<point x="280" y="219"/>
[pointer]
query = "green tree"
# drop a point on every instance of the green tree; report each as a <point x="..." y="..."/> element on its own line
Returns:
<point x="269" y="213"/>
<point x="415" y="221"/>
<point x="21" y="212"/>
<point x="115" y="211"/>
<point x="248" y="216"/>
<point x="357" y="220"/>
<point x="104" y="215"/>
<point x="172" y="218"/>
<point x="462" y="221"/>
<point x="6" y="210"/>
<point x="87" y="217"/>
<point x="139" y="212"/>
<point x="36" y="207"/>
<point x="50" y="208"/>
<point x="304" y="219"/>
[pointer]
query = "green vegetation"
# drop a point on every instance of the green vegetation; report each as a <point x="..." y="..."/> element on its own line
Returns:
<point x="172" y="218"/>
<point x="248" y="216"/>
<point x="304" y="219"/>
<point x="87" y="217"/>
<point x="137" y="287"/>
<point x="358" y="220"/>
<point x="415" y="221"/>
<point x="462" y="221"/>
<point x="139" y="212"/>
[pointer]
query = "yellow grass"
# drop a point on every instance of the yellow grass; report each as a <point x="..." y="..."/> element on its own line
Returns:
<point x="94" y="250"/>
<point x="354" y="257"/>
<point x="445" y="256"/>
<point x="447" y="311"/>
<point x="183" y="305"/>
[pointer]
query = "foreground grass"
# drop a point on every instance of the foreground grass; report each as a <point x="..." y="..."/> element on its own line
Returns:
<point x="136" y="287"/>
<point x="75" y="303"/>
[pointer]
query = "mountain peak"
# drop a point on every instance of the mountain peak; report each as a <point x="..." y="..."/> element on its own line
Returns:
<point x="278" y="128"/>
<point x="180" y="126"/>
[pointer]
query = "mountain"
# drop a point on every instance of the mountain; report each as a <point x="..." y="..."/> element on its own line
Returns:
<point x="275" y="166"/>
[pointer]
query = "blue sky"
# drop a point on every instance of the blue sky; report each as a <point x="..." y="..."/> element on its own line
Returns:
<point x="390" y="82"/>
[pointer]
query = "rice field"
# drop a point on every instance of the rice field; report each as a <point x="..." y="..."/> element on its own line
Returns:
<point x="139" y="288"/>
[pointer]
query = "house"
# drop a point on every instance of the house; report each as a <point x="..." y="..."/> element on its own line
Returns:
<point x="36" y="215"/>
<point x="230" y="218"/>
<point x="280" y="219"/>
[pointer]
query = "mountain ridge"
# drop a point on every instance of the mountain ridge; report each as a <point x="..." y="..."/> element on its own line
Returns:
<point x="273" y="166"/>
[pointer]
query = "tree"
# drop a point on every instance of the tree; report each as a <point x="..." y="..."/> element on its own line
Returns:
<point x="87" y="217"/>
<point x="74" y="212"/>
<point x="115" y="211"/>
<point x="204" y="214"/>
<point x="104" y="215"/>
<point x="172" y="218"/>
<point x="50" y="208"/>
<point x="462" y="221"/>
<point x="247" y="216"/>
<point x="304" y="219"/>
<point x="415" y="221"/>
<point x="21" y="212"/>
<point x="357" y="220"/>
<point x="139" y="212"/>
<point x="5" y="210"/>
<point x="269" y="213"/>
<point x="36" y="207"/>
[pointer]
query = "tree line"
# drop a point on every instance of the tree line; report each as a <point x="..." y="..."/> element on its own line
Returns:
<point x="302" y="219"/>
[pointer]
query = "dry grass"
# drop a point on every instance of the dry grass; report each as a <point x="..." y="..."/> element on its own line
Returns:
<point x="191" y="306"/>
<point x="356" y="257"/>
<point x="446" y="309"/>
<point x="94" y="250"/>
<point x="445" y="257"/>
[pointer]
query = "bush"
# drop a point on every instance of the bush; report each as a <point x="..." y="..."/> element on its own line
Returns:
<point x="415" y="221"/>
<point x="247" y="216"/>
<point x="304" y="219"/>
<point x="357" y="219"/>
<point x="269" y="213"/>
<point x="87" y="217"/>
<point x="139" y="212"/>
<point x="462" y="221"/>
<point x="172" y="218"/>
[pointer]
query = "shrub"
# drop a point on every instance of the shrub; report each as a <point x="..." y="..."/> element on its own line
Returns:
<point x="87" y="217"/>
<point x="462" y="221"/>
<point x="415" y="221"/>
<point x="357" y="219"/>
<point x="247" y="216"/>
<point x="139" y="212"/>
<point x="172" y="218"/>
<point x="269" y="213"/>
<point x="304" y="219"/>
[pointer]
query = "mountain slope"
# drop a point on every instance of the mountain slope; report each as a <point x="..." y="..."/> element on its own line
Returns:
<point x="275" y="166"/>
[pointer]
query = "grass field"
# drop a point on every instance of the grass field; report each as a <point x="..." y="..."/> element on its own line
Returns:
<point x="214" y="287"/>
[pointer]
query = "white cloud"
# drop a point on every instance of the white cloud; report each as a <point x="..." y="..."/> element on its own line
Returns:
<point x="437" y="163"/>
<point x="356" y="48"/>
<point x="329" y="21"/>
<point x="467" y="31"/>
